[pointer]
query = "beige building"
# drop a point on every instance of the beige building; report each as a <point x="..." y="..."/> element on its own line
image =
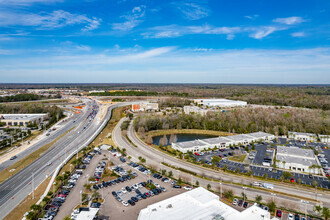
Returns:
<point x="144" y="107"/>
<point x="22" y="119"/>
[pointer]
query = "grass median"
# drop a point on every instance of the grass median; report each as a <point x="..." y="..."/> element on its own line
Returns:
<point x="25" y="205"/>
<point x="187" y="131"/>
<point x="21" y="164"/>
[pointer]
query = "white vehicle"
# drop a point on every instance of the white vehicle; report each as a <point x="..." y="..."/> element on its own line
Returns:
<point x="187" y="188"/>
<point x="157" y="185"/>
<point x="256" y="184"/>
<point x="123" y="190"/>
<point x="290" y="216"/>
<point x="124" y="203"/>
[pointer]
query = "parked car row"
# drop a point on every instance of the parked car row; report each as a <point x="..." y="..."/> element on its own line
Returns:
<point x="112" y="182"/>
<point x="244" y="204"/>
<point x="137" y="194"/>
<point x="140" y="168"/>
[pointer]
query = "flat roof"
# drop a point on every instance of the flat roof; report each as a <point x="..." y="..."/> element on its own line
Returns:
<point x="295" y="152"/>
<point x="216" y="140"/>
<point x="20" y="116"/>
<point x="87" y="215"/>
<point x="240" y="137"/>
<point x="297" y="160"/>
<point x="301" y="133"/>
<point x="190" y="144"/>
<point x="199" y="204"/>
<point x="260" y="134"/>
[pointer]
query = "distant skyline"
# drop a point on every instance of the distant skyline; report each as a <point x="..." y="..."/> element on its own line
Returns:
<point x="157" y="41"/>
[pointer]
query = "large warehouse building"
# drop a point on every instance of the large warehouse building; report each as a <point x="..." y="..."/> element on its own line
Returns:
<point x="297" y="159"/>
<point x="199" y="204"/>
<point x="222" y="142"/>
<point x="22" y="119"/>
<point x="222" y="103"/>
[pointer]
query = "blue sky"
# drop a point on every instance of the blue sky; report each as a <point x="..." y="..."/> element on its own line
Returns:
<point x="164" y="41"/>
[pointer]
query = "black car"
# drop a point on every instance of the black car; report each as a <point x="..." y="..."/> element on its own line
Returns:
<point x="150" y="181"/>
<point x="95" y="187"/>
<point x="95" y="205"/>
<point x="137" y="191"/>
<point x="155" y="191"/>
<point x="134" y="199"/>
<point x="128" y="189"/>
<point x="114" y="193"/>
<point x="143" y="184"/>
<point x="296" y="217"/>
<point x="177" y="186"/>
<point x="240" y="202"/>
<point x="245" y="204"/>
<point x="143" y="196"/>
<point x="131" y="202"/>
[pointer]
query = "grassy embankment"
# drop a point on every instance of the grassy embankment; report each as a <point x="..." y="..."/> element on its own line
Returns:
<point x="18" y="166"/>
<point x="25" y="205"/>
<point x="187" y="131"/>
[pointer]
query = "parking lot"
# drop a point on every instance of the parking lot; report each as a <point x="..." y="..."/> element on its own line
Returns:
<point x="113" y="209"/>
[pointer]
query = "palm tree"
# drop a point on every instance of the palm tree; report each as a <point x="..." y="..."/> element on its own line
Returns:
<point x="244" y="197"/>
<point x="208" y="186"/>
<point x="258" y="198"/>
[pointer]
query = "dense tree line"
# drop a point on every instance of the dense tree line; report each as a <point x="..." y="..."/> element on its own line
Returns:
<point x="245" y="120"/>
<point x="21" y="97"/>
<point x="173" y="102"/>
<point x="54" y="112"/>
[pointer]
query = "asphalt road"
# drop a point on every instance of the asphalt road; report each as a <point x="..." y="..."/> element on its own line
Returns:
<point x="17" y="187"/>
<point x="156" y="157"/>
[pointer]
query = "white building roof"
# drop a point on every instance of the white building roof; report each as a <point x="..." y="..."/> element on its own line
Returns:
<point x="199" y="204"/>
<point x="295" y="152"/>
<point x="217" y="140"/>
<point x="301" y="134"/>
<point x="87" y="215"/>
<point x="190" y="144"/>
<point x="260" y="134"/>
<point x="21" y="116"/>
<point x="240" y="137"/>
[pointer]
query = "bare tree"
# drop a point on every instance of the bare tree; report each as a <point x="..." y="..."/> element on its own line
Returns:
<point x="163" y="141"/>
<point x="173" y="138"/>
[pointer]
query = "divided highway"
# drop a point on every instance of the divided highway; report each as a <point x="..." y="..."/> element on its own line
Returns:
<point x="16" y="188"/>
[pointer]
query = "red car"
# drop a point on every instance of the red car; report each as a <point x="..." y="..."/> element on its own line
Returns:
<point x="197" y="154"/>
<point x="279" y="213"/>
<point x="292" y="180"/>
<point x="62" y="195"/>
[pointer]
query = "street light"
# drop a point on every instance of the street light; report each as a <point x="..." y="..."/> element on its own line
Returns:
<point x="220" y="189"/>
<point x="305" y="202"/>
<point x="273" y="194"/>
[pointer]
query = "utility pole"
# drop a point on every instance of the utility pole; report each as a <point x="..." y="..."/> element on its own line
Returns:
<point x="220" y="188"/>
<point x="32" y="185"/>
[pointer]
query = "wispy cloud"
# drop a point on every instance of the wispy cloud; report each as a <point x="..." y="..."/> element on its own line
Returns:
<point x="289" y="20"/>
<point x="192" y="11"/>
<point x="26" y="2"/>
<point x="177" y="31"/>
<point x="53" y="20"/>
<point x="132" y="19"/>
<point x="298" y="34"/>
<point x="252" y="17"/>
<point x="171" y="31"/>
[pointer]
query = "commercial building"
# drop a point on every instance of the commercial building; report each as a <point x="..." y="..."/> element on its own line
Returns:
<point x="144" y="107"/>
<point x="222" y="103"/>
<point x="297" y="159"/>
<point x="302" y="136"/>
<point x="86" y="214"/>
<point x="198" y="204"/>
<point x="324" y="138"/>
<point x="96" y="91"/>
<point x="194" y="109"/>
<point x="22" y="119"/>
<point x="222" y="142"/>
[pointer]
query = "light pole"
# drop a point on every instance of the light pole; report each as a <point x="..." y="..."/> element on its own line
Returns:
<point x="244" y="188"/>
<point x="273" y="194"/>
<point x="220" y="189"/>
<point x="71" y="168"/>
<point x="305" y="202"/>
<point x="32" y="185"/>
<point x="192" y="180"/>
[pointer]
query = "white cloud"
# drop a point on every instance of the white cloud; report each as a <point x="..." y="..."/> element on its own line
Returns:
<point x="263" y="32"/>
<point x="289" y="20"/>
<point x="177" y="66"/>
<point x="298" y="34"/>
<point x="252" y="17"/>
<point x="177" y="31"/>
<point x="132" y="19"/>
<point x="172" y="31"/>
<point x="26" y="2"/>
<point x="53" y="20"/>
<point x="192" y="11"/>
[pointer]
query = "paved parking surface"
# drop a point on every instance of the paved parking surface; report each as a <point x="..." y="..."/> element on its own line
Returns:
<point x="112" y="209"/>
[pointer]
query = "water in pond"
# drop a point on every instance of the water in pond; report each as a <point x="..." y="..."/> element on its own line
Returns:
<point x="182" y="137"/>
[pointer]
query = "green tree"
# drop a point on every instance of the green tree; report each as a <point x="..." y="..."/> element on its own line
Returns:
<point x="208" y="186"/>
<point x="179" y="180"/>
<point x="258" y="198"/>
<point x="36" y="207"/>
<point x="272" y="206"/>
<point x="244" y="197"/>
<point x="228" y="194"/>
<point x="315" y="183"/>
<point x="170" y="173"/>
<point x="197" y="183"/>
<point x="287" y="175"/>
